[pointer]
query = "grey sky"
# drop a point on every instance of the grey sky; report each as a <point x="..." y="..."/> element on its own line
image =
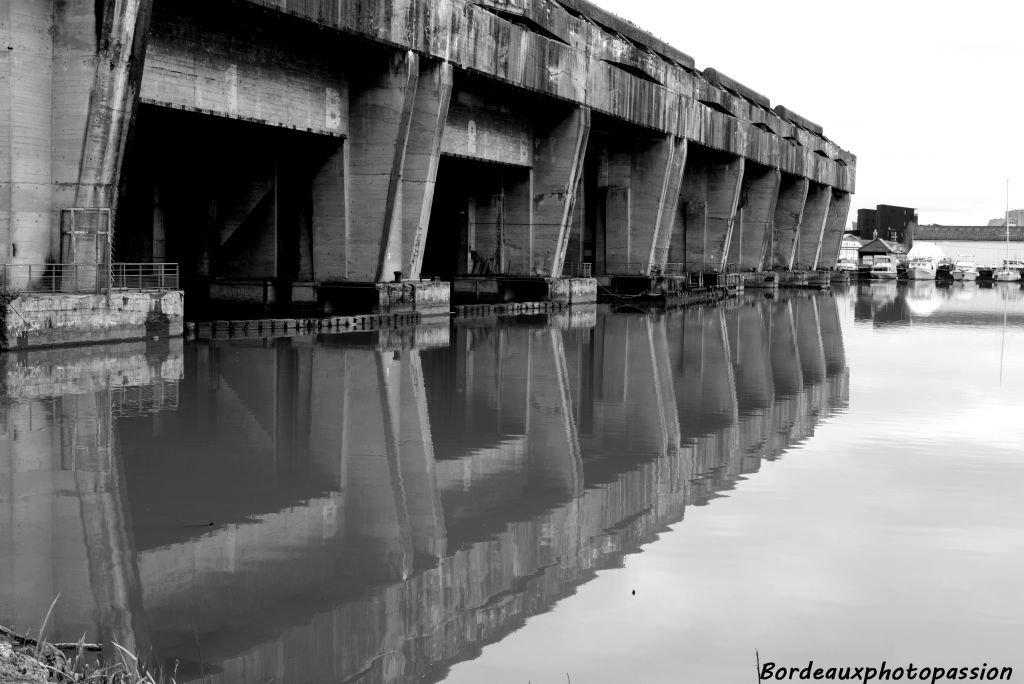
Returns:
<point x="929" y="96"/>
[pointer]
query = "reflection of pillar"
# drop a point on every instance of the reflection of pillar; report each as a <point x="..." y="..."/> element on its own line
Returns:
<point x="553" y="449"/>
<point x="808" y="337"/>
<point x="787" y="374"/>
<point x="704" y="384"/>
<point x="64" y="516"/>
<point x="377" y="522"/>
<point x="416" y="451"/>
<point x="831" y="336"/>
<point x="749" y="345"/>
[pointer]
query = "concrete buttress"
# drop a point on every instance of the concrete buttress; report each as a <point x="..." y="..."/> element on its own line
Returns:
<point x="789" y="212"/>
<point x="710" y="192"/>
<point x="755" y="217"/>
<point x="838" y="209"/>
<point x="381" y="116"/>
<point x="812" y="227"/>
<point x="120" y="56"/>
<point x="430" y="111"/>
<point x="539" y="242"/>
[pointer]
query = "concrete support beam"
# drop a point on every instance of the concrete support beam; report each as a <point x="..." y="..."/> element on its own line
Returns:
<point x="789" y="212"/>
<point x="755" y="217"/>
<point x="710" y="193"/>
<point x="430" y="111"/>
<point x="642" y="192"/>
<point x="812" y="227"/>
<point x="330" y="216"/>
<point x="120" y="57"/>
<point x="380" y="111"/>
<point x="539" y="246"/>
<point x="838" y="209"/>
<point x="669" y="213"/>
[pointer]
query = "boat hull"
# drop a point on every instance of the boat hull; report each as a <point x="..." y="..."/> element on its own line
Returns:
<point x="1012" y="277"/>
<point x="967" y="277"/>
<point x="883" y="275"/>
<point x="920" y="274"/>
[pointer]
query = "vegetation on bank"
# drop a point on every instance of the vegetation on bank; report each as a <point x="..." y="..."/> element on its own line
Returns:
<point x="24" y="660"/>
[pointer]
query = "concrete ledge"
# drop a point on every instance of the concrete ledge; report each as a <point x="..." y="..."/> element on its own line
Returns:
<point x="425" y="297"/>
<point x="51" y="319"/>
<point x="471" y="289"/>
<point x="761" y="280"/>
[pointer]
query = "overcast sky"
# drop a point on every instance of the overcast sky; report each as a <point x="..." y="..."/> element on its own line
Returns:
<point x="929" y="96"/>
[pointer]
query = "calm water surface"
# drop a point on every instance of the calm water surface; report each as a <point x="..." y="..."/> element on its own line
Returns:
<point x="614" y="496"/>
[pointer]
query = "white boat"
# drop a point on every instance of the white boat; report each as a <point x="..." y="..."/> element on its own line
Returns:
<point x="1010" y="270"/>
<point x="1006" y="274"/>
<point x="884" y="268"/>
<point x="964" y="268"/>
<point x="923" y="261"/>
<point x="922" y="268"/>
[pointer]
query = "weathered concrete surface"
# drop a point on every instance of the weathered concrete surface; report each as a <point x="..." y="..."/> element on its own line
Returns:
<point x="641" y="192"/>
<point x="835" y="224"/>
<point x="755" y="219"/>
<point x="577" y="59"/>
<point x="428" y="297"/>
<point x="812" y="227"/>
<point x="710" y="193"/>
<point x="507" y="289"/>
<point x="39" y="320"/>
<point x="789" y="213"/>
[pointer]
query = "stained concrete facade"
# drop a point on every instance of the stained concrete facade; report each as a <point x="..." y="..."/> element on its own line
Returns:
<point x="288" y="151"/>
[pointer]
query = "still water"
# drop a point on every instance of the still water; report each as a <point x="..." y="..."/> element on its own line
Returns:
<point x="589" y="497"/>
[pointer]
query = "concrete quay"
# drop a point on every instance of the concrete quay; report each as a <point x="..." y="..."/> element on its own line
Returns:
<point x="304" y="157"/>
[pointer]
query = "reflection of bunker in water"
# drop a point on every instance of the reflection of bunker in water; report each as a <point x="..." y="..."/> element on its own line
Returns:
<point x="381" y="512"/>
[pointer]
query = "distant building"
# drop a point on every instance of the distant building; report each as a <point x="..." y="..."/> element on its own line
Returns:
<point x="1016" y="217"/>
<point x="850" y="246"/>
<point x="879" y="247"/>
<point x="885" y="221"/>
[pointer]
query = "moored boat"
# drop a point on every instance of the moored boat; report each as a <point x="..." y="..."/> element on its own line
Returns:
<point x="884" y="268"/>
<point x="921" y="269"/>
<point x="965" y="269"/>
<point x="1006" y="274"/>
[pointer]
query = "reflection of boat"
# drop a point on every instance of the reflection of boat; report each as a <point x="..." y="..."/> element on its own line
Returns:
<point x="884" y="268"/>
<point x="923" y="298"/>
<point x="846" y="265"/>
<point x="964" y="268"/>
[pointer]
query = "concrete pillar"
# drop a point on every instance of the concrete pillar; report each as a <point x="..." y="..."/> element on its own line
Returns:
<point x="755" y="217"/>
<point x="835" y="224"/>
<point x="380" y="111"/>
<point x="330" y="216"/>
<point x="812" y="227"/>
<point x="430" y="111"/>
<point x="789" y="212"/>
<point x="710" y="193"/>
<point x="539" y="239"/>
<point x="670" y="203"/>
<point x="642" y="192"/>
<point x="120" y="56"/>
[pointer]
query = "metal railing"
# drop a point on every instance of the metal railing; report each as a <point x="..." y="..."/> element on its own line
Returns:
<point x="577" y="269"/>
<point x="87" y="278"/>
<point x="623" y="268"/>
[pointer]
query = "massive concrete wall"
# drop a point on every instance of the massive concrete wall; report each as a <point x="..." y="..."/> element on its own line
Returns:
<point x="385" y="89"/>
